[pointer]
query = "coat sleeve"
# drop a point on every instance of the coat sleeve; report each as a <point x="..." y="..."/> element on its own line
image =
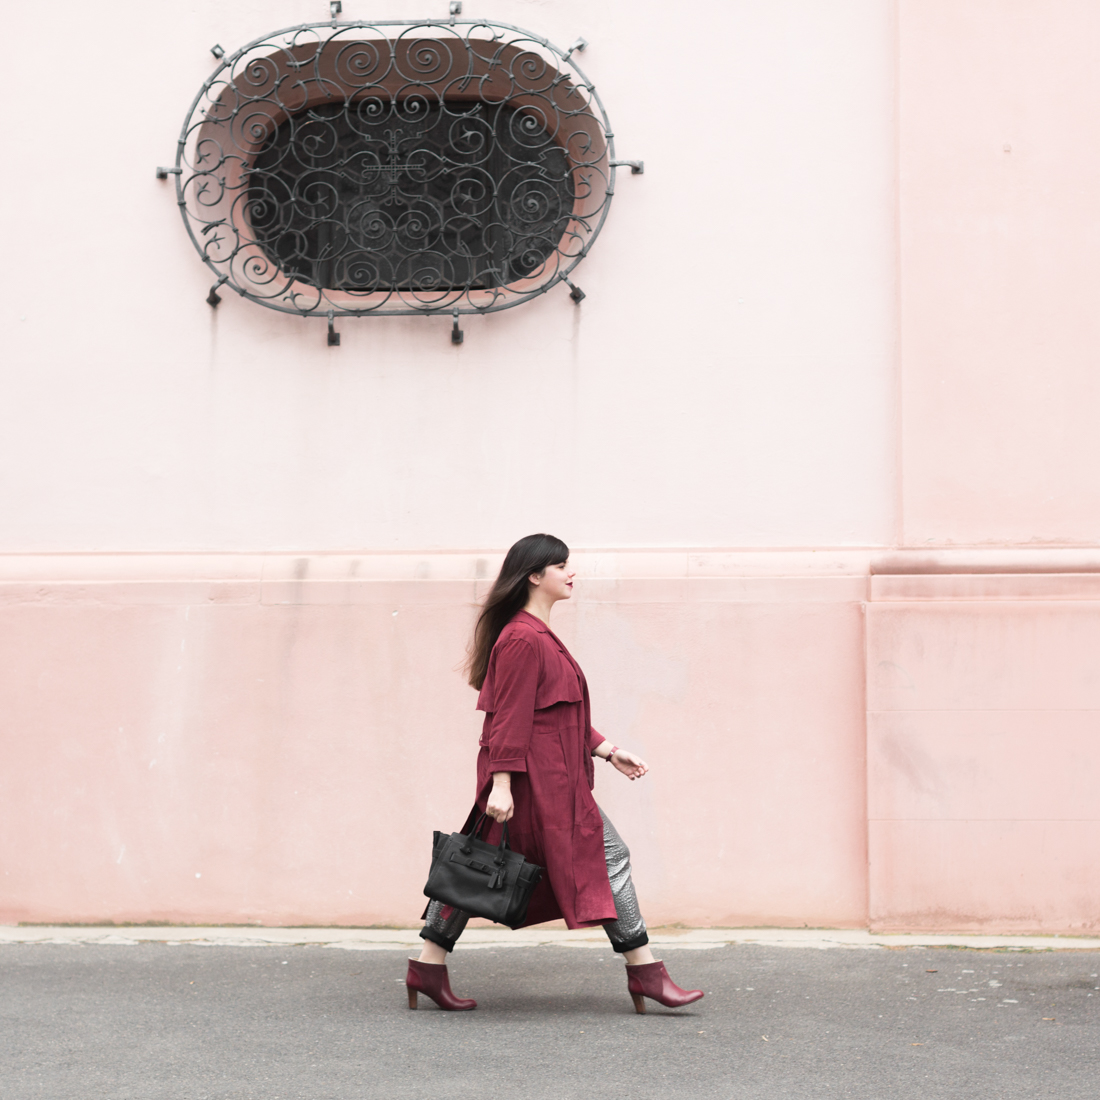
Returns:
<point x="515" y="681"/>
<point x="594" y="740"/>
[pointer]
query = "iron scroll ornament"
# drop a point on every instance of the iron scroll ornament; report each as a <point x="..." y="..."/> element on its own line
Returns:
<point x="352" y="169"/>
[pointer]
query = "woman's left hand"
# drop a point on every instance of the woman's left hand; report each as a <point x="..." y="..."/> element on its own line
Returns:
<point x="633" y="767"/>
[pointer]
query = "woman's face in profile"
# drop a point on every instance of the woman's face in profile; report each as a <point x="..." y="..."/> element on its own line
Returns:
<point x="556" y="581"/>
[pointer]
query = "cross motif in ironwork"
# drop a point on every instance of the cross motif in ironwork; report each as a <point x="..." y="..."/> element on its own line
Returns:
<point x="393" y="168"/>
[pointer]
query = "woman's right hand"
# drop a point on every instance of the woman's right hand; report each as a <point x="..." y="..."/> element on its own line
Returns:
<point x="500" y="806"/>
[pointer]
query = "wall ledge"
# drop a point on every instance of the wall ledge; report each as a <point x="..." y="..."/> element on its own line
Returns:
<point x="613" y="564"/>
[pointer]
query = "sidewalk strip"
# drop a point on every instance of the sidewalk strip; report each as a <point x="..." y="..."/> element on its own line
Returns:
<point x="387" y="939"/>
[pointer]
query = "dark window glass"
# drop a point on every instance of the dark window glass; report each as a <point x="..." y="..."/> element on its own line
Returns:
<point x="372" y="195"/>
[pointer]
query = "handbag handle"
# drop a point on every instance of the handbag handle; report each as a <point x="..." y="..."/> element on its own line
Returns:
<point x="467" y="848"/>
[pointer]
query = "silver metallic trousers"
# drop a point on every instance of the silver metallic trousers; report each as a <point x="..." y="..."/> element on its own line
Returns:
<point x="443" y="924"/>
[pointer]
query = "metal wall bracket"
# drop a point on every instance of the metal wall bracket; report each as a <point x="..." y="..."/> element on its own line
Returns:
<point x="457" y="335"/>
<point x="333" y="335"/>
<point x="213" y="298"/>
<point x="575" y="292"/>
<point x="637" y="167"/>
<point x="455" y="9"/>
<point x="577" y="47"/>
<point x="334" y="8"/>
<point x="218" y="51"/>
<point x="164" y="173"/>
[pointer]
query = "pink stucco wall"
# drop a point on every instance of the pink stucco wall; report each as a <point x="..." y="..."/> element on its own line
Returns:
<point x="822" y="431"/>
<point x="999" y="270"/>
<point x="983" y="715"/>
<point x="276" y="741"/>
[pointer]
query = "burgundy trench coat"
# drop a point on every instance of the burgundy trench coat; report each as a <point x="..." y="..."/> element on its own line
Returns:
<point x="538" y="727"/>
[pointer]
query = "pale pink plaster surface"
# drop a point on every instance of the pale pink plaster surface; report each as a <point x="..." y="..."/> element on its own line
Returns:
<point x="983" y="744"/>
<point x="728" y="381"/>
<point x="997" y="655"/>
<point x="995" y="876"/>
<point x="751" y="714"/>
<point x="999" y="270"/>
<point x="990" y="765"/>
<point x="279" y="750"/>
<point x="269" y="742"/>
<point x="259" y="737"/>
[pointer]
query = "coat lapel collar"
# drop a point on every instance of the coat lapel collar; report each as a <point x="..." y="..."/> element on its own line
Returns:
<point x="542" y="628"/>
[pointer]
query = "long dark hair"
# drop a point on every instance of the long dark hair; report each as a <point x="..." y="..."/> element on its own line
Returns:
<point x="508" y="595"/>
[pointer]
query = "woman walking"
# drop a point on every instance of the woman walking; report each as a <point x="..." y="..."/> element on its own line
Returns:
<point x="535" y="771"/>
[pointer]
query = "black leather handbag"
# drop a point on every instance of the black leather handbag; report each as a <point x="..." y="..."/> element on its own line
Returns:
<point x="487" y="880"/>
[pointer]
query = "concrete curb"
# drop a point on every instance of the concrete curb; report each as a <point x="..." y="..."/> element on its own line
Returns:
<point x="384" y="939"/>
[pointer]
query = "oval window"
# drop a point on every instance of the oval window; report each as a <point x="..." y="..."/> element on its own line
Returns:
<point x="369" y="196"/>
<point x="403" y="168"/>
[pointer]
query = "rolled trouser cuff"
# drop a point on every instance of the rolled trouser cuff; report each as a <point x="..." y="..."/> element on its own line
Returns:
<point x="620" y="946"/>
<point x="443" y="924"/>
<point x="432" y="935"/>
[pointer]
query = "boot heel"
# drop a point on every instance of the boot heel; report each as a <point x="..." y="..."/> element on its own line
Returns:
<point x="412" y="996"/>
<point x="639" y="1003"/>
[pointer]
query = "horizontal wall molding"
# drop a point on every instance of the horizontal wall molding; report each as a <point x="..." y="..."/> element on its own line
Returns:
<point x="986" y="587"/>
<point x="614" y="564"/>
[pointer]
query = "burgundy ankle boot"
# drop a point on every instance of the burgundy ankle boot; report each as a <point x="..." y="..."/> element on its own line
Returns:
<point x="652" y="980"/>
<point x="431" y="980"/>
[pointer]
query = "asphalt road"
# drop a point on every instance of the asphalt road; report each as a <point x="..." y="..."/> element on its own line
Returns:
<point x="308" y="1023"/>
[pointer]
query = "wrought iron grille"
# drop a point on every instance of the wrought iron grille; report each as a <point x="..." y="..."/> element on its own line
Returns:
<point x="353" y="169"/>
